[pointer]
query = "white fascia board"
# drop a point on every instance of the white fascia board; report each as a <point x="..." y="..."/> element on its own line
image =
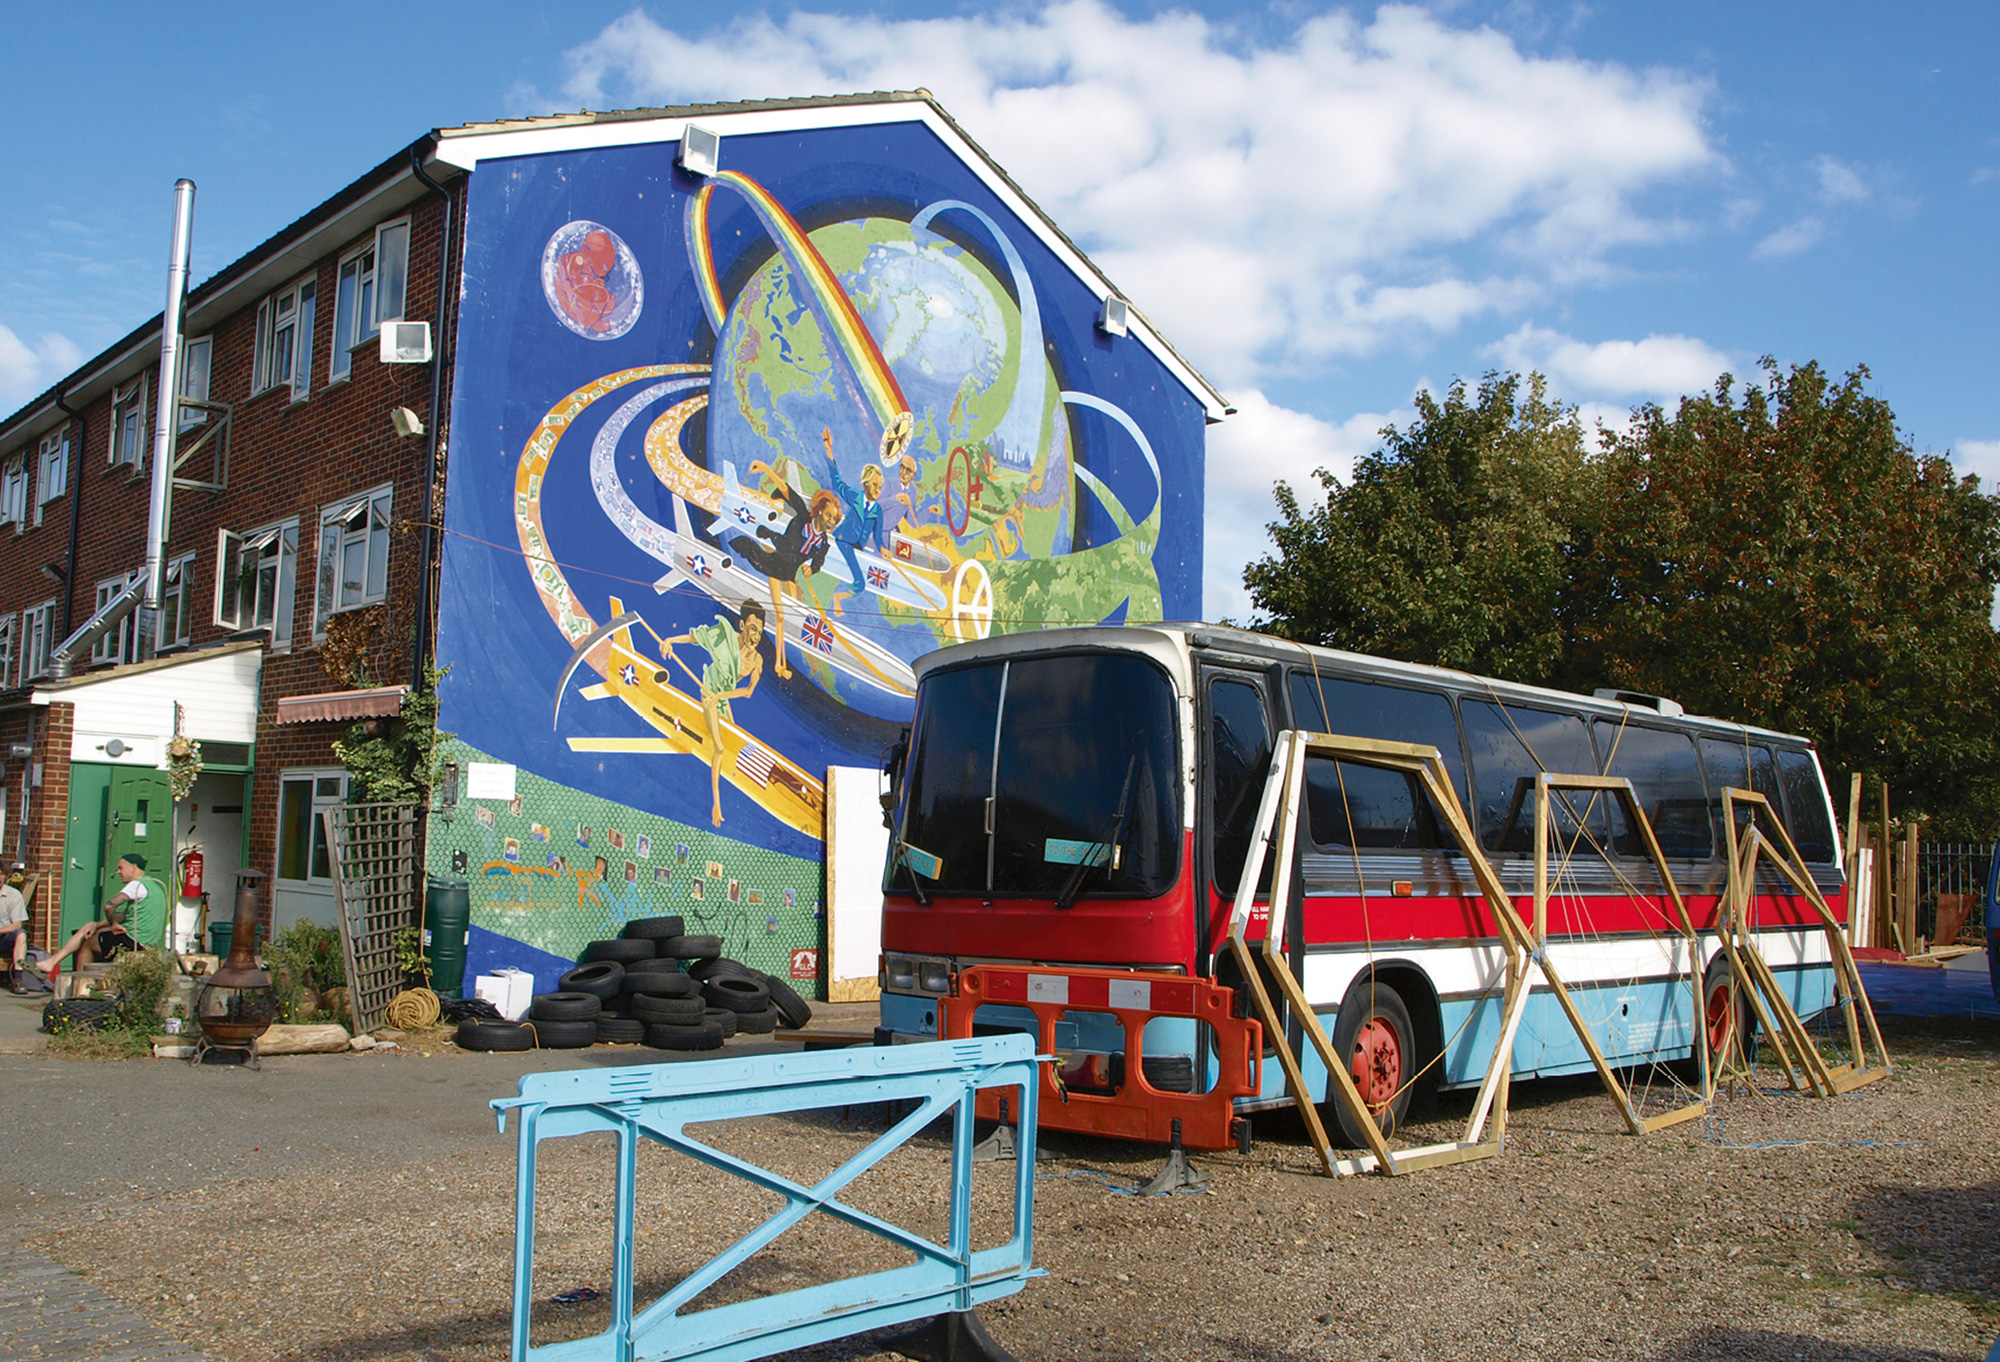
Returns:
<point x="466" y="150"/>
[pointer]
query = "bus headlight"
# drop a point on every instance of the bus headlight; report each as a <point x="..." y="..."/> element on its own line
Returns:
<point x="926" y="975"/>
<point x="934" y="976"/>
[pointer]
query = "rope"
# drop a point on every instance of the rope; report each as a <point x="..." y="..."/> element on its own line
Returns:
<point x="412" y="1009"/>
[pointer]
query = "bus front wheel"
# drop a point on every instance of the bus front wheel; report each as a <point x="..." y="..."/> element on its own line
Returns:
<point x="1374" y="1034"/>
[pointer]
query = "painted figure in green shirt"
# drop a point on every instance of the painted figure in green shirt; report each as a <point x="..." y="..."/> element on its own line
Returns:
<point x="734" y="668"/>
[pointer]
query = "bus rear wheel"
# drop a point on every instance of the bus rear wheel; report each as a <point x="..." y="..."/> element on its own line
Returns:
<point x="1724" y="1013"/>
<point x="1374" y="1034"/>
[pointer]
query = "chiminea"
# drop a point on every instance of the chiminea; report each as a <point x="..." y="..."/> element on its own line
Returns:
<point x="237" y="1003"/>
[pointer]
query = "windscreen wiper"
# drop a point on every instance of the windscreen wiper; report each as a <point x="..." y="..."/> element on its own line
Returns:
<point x="1109" y="841"/>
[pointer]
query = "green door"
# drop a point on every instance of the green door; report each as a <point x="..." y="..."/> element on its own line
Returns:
<point x="112" y="810"/>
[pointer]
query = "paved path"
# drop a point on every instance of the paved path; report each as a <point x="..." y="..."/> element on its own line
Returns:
<point x="50" y="1314"/>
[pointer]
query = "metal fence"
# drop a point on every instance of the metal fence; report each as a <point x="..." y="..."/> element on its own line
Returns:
<point x="1948" y="868"/>
<point x="374" y="861"/>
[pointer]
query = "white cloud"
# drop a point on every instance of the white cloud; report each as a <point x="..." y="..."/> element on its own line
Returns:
<point x="1261" y="445"/>
<point x="1838" y="183"/>
<point x="1658" y="367"/>
<point x="26" y="370"/>
<point x="1268" y="204"/>
<point x="1981" y="457"/>
<point x="1791" y="239"/>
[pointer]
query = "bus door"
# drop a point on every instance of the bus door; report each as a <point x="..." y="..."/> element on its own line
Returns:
<point x="1239" y="732"/>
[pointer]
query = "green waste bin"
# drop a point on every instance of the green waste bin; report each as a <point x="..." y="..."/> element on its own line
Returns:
<point x="447" y="919"/>
<point x="221" y="935"/>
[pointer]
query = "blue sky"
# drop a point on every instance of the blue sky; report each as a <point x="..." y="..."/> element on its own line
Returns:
<point x="1324" y="208"/>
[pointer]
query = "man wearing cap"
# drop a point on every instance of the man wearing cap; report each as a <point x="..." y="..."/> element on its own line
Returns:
<point x="14" y="926"/>
<point x="102" y="940"/>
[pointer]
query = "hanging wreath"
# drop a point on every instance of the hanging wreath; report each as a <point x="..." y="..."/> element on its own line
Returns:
<point x="183" y="765"/>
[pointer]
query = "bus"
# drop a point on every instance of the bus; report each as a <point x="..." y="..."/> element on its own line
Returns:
<point x="1070" y="812"/>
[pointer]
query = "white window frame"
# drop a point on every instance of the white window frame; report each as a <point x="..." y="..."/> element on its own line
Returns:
<point x="51" y="468"/>
<point x="8" y="634"/>
<point x="360" y="522"/>
<point x="177" y="594"/>
<point x="14" y="490"/>
<point x="129" y="431"/>
<point x="284" y="340"/>
<point x="271" y="600"/>
<point x="114" y="645"/>
<point x="197" y="364"/>
<point x="38" y="626"/>
<point x="360" y="303"/>
<point x="323" y="778"/>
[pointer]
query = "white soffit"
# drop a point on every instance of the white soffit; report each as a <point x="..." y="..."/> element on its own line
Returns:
<point x="465" y="150"/>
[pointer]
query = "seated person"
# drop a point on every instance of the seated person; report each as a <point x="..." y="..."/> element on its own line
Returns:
<point x="103" y="940"/>
<point x="14" y="926"/>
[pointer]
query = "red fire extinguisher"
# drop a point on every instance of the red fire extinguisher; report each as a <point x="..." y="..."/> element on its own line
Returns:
<point x="191" y="865"/>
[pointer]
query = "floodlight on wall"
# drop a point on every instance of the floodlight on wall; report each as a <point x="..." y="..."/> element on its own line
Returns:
<point x="701" y="150"/>
<point x="20" y="751"/>
<point x="406" y="422"/>
<point x="55" y="572"/>
<point x="406" y="343"/>
<point x="1113" y="318"/>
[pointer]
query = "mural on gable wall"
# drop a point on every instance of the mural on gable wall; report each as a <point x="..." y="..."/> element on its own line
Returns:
<point x="728" y="455"/>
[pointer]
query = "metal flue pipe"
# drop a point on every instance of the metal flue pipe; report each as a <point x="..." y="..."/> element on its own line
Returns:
<point x="166" y="406"/>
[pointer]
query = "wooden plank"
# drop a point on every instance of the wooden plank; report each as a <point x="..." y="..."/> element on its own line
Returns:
<point x="1676" y="1116"/>
<point x="1906" y="897"/>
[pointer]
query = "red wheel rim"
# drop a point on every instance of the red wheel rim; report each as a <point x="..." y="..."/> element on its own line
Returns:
<point x="1721" y="1015"/>
<point x="1378" y="1063"/>
<point x="959" y="459"/>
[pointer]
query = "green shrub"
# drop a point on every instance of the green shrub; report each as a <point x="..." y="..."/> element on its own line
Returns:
<point x="140" y="979"/>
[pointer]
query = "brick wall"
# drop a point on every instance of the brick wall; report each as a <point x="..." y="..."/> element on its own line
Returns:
<point x="286" y="459"/>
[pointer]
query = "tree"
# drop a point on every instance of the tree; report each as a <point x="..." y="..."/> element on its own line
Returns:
<point x="1451" y="543"/>
<point x="1783" y="558"/>
<point x="1777" y="556"/>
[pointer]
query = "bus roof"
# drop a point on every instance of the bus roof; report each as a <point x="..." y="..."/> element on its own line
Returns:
<point x="1175" y="645"/>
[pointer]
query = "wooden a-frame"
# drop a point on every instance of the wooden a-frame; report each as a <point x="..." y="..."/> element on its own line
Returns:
<point x="1278" y="810"/>
<point x="1758" y="985"/>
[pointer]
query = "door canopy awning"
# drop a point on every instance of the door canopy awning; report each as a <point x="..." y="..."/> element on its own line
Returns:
<point x="342" y="704"/>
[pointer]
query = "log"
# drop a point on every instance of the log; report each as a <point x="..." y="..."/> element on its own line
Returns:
<point x="303" y="1040"/>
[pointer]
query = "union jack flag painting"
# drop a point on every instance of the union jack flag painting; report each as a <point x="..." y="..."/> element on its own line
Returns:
<point x="814" y="633"/>
<point x="878" y="577"/>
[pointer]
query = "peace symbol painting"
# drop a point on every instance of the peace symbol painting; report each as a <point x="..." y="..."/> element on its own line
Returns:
<point x="728" y="453"/>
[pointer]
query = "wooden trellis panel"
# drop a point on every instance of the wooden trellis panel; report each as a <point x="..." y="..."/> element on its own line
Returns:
<point x="375" y="886"/>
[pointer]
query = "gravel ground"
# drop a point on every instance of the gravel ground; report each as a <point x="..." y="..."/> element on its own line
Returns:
<point x="380" y="1226"/>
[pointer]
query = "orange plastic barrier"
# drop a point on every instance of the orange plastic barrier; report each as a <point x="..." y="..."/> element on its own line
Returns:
<point x="1089" y="1098"/>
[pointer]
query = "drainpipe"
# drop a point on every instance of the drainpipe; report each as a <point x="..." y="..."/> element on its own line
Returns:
<point x="166" y="414"/>
<point x="420" y="646"/>
<point x="76" y="464"/>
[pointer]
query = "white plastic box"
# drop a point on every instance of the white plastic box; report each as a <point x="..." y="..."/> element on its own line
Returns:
<point x="510" y="990"/>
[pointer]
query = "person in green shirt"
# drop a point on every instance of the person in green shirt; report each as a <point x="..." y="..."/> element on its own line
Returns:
<point x="734" y="667"/>
<point x="104" y="940"/>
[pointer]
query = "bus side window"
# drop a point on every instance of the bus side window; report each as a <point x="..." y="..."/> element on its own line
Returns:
<point x="1350" y="806"/>
<point x="1239" y="759"/>
<point x="1363" y="709"/>
<point x="1508" y="749"/>
<point x="1739" y="765"/>
<point x="1805" y="806"/>
<point x="1666" y="781"/>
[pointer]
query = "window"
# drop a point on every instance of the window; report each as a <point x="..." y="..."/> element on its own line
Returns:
<point x="1510" y="746"/>
<point x="284" y="341"/>
<point x="115" y="645"/>
<point x="1363" y="709"/>
<point x="177" y="591"/>
<point x="369" y="292"/>
<point x="1239" y="759"/>
<point x="14" y="491"/>
<point x="353" y="555"/>
<point x="1666" y="782"/>
<point x="38" y="626"/>
<point x="254" y="574"/>
<point x="1806" y="816"/>
<point x="197" y="358"/>
<point x="52" y="468"/>
<point x="302" y="853"/>
<point x="1743" y="766"/>
<point x="128" y="423"/>
<point x="7" y="636"/>
<point x="1367" y="808"/>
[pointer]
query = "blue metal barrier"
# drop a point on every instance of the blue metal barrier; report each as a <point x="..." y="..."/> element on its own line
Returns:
<point x="659" y="1101"/>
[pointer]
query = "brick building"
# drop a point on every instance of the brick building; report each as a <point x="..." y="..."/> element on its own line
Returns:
<point x="290" y="468"/>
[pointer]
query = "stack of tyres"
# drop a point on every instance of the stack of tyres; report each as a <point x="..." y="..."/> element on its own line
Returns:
<point x="780" y="1006"/>
<point x="658" y="984"/>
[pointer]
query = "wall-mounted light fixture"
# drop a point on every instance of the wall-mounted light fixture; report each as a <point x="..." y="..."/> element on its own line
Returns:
<point x="54" y="572"/>
<point x="406" y="422"/>
<point x="1113" y="318"/>
<point x="701" y="150"/>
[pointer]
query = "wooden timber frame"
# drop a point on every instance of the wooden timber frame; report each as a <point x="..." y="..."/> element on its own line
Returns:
<point x="1804" y="1066"/>
<point x="1525" y="947"/>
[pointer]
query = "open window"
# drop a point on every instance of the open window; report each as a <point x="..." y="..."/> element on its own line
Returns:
<point x="369" y="291"/>
<point x="254" y="579"/>
<point x="353" y="555"/>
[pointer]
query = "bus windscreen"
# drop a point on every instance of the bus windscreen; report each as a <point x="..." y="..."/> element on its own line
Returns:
<point x="1044" y="777"/>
